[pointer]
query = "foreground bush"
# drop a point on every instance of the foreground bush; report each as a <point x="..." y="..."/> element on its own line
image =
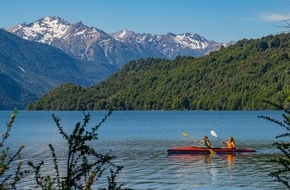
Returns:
<point x="84" y="165"/>
<point x="282" y="174"/>
<point x="9" y="177"/>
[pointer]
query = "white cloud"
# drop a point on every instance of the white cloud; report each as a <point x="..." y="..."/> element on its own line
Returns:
<point x="273" y="17"/>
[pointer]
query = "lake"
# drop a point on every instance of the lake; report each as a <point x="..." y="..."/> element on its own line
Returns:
<point x="140" y="139"/>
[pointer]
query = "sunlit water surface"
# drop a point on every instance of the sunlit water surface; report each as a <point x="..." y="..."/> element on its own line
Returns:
<point x="140" y="139"/>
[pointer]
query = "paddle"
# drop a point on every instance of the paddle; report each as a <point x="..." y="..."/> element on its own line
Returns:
<point x="187" y="135"/>
<point x="215" y="135"/>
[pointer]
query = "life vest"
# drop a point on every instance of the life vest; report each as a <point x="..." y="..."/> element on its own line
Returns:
<point x="207" y="144"/>
<point x="231" y="145"/>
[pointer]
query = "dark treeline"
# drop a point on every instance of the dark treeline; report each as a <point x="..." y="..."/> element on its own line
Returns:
<point x="238" y="77"/>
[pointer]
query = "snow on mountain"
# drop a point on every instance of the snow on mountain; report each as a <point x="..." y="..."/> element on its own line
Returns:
<point x="190" y="41"/>
<point x="92" y="44"/>
<point x="193" y="41"/>
<point x="44" y="30"/>
<point x="122" y="35"/>
<point x="170" y="45"/>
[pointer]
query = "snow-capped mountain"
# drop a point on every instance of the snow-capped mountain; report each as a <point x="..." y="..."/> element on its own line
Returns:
<point x="90" y="43"/>
<point x="170" y="45"/>
<point x="45" y="30"/>
<point x="78" y="40"/>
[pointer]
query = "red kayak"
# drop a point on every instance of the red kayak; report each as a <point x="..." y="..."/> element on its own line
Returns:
<point x="202" y="150"/>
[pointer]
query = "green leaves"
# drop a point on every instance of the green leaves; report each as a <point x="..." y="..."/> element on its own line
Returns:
<point x="84" y="165"/>
<point x="8" y="181"/>
<point x="282" y="173"/>
<point x="238" y="77"/>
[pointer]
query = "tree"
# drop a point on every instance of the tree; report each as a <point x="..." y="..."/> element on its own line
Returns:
<point x="84" y="164"/>
<point x="282" y="174"/>
<point x="8" y="181"/>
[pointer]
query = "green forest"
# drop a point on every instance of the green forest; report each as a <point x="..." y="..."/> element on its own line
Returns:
<point x="238" y="77"/>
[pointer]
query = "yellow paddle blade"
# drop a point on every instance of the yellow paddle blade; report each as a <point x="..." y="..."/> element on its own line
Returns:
<point x="185" y="134"/>
<point x="211" y="151"/>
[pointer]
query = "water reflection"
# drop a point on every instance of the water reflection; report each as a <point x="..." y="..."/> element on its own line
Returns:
<point x="224" y="171"/>
<point x="149" y="167"/>
<point x="207" y="158"/>
<point x="139" y="141"/>
<point x="230" y="158"/>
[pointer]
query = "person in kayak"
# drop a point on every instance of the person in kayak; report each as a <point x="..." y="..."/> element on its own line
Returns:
<point x="206" y="142"/>
<point x="230" y="143"/>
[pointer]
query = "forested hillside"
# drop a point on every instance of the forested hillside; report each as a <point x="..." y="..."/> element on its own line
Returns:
<point x="12" y="95"/>
<point x="238" y="77"/>
<point x="32" y="69"/>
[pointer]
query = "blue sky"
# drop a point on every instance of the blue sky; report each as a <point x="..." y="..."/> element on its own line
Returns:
<point x="219" y="20"/>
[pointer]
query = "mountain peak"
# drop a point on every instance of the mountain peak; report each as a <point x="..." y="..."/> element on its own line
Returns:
<point x="80" y="23"/>
<point x="90" y="43"/>
<point x="52" y="18"/>
<point x="43" y="30"/>
<point x="123" y="34"/>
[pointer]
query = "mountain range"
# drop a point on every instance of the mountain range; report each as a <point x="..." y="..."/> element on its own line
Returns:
<point x="38" y="56"/>
<point x="92" y="44"/>
<point x="29" y="69"/>
<point x="239" y="77"/>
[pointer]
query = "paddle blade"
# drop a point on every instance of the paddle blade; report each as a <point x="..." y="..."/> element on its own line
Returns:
<point x="211" y="152"/>
<point x="213" y="134"/>
<point x="185" y="134"/>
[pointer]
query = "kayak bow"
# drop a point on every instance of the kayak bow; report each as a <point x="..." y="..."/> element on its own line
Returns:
<point x="202" y="150"/>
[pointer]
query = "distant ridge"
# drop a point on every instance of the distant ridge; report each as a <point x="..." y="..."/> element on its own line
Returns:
<point x="239" y="77"/>
<point x="12" y="95"/>
<point x="92" y="44"/>
<point x="33" y="68"/>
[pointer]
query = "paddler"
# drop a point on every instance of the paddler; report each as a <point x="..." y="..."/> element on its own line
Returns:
<point x="230" y="143"/>
<point x="206" y="142"/>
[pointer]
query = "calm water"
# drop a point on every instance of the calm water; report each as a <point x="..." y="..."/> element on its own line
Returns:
<point x="140" y="140"/>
